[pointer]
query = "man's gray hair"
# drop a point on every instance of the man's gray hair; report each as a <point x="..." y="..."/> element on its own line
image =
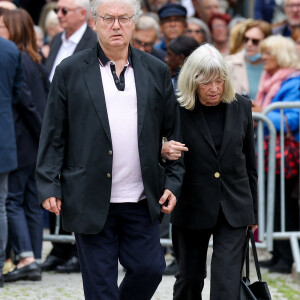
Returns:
<point x="146" y="22"/>
<point x="134" y="4"/>
<point x="204" y="65"/>
<point x="83" y="3"/>
<point x="207" y="34"/>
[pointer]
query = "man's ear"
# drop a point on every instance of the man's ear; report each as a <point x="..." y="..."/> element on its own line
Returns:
<point x="93" y="23"/>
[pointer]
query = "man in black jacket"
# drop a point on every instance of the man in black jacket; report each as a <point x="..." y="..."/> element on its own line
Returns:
<point x="99" y="157"/>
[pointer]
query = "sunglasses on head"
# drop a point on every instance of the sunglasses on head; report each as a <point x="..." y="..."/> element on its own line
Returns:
<point x="254" y="41"/>
<point x="63" y="10"/>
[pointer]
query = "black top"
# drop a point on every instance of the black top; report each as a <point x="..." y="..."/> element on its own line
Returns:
<point x="215" y="117"/>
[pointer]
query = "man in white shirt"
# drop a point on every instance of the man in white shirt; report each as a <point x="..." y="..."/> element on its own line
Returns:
<point x="77" y="35"/>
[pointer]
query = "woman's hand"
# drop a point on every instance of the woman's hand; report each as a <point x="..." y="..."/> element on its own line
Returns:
<point x="256" y="108"/>
<point x="172" y="150"/>
<point x="254" y="227"/>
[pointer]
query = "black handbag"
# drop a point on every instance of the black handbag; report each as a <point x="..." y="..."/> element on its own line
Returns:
<point x="257" y="290"/>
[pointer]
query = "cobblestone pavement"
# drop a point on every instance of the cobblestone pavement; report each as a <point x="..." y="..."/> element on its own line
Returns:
<point x="69" y="286"/>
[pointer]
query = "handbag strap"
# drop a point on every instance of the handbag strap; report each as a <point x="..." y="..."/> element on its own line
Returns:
<point x="288" y="130"/>
<point x="250" y="233"/>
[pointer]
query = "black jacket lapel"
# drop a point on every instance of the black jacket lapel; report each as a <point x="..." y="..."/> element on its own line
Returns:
<point x="229" y="126"/>
<point x="141" y="82"/>
<point x="92" y="76"/>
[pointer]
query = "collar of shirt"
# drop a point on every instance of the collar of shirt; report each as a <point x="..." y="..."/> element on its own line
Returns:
<point x="76" y="36"/>
<point x="104" y="60"/>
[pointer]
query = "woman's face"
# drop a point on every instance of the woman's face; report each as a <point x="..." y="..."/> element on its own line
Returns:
<point x="252" y="39"/>
<point x="219" y="30"/>
<point x="3" y="29"/>
<point x="270" y="62"/>
<point x="196" y="32"/>
<point x="173" y="60"/>
<point x="210" y="93"/>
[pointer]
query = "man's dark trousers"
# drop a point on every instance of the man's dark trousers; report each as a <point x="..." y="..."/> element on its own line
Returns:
<point x="128" y="235"/>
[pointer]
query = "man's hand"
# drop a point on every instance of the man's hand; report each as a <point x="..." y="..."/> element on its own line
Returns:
<point x="168" y="201"/>
<point x="52" y="204"/>
<point x="172" y="150"/>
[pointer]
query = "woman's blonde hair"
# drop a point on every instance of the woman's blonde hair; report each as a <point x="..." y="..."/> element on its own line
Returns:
<point x="283" y="49"/>
<point x="205" y="64"/>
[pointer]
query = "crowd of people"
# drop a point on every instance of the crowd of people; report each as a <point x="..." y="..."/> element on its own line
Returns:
<point x="218" y="61"/>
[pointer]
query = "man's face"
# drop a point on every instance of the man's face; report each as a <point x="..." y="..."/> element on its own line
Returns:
<point x="114" y="25"/>
<point x="144" y="39"/>
<point x="70" y="16"/>
<point x="173" y="27"/>
<point x="292" y="12"/>
<point x="206" y="8"/>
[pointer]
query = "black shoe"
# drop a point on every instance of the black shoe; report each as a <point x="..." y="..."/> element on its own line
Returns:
<point x="29" y="272"/>
<point x="268" y="263"/>
<point x="172" y="268"/>
<point x="71" y="266"/>
<point x="1" y="281"/>
<point x="51" y="263"/>
<point x="281" y="267"/>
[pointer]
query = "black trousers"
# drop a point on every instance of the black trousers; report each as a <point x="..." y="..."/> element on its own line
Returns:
<point x="282" y="249"/>
<point x="190" y="248"/>
<point x="130" y="236"/>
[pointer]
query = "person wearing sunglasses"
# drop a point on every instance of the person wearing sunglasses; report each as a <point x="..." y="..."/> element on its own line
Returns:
<point x="198" y="30"/>
<point x="145" y="35"/>
<point x="76" y="36"/>
<point x="247" y="65"/>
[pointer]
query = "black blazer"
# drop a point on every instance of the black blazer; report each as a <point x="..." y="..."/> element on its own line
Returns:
<point x="75" y="147"/>
<point x="229" y="180"/>
<point x="88" y="40"/>
<point x="29" y="111"/>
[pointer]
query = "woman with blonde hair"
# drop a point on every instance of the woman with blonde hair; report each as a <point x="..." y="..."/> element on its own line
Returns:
<point x="280" y="82"/>
<point x="219" y="192"/>
<point x="247" y="65"/>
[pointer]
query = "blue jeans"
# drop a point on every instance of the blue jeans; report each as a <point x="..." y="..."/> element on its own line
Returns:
<point x="3" y="220"/>
<point x="24" y="215"/>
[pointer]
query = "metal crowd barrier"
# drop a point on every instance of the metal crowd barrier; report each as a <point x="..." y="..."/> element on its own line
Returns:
<point x="292" y="236"/>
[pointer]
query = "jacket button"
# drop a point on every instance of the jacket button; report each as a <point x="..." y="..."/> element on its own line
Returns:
<point x="110" y="152"/>
<point x="108" y="175"/>
<point x="217" y="175"/>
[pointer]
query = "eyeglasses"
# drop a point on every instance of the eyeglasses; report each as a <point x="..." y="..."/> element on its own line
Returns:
<point x="219" y="26"/>
<point x="139" y="43"/>
<point x="290" y="6"/>
<point x="197" y="31"/>
<point x="109" y="20"/>
<point x="255" y="42"/>
<point x="63" y="10"/>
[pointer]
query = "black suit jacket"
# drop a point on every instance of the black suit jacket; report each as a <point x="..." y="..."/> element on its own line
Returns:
<point x="74" y="154"/>
<point x="88" y="40"/>
<point x="229" y="180"/>
<point x="29" y="111"/>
